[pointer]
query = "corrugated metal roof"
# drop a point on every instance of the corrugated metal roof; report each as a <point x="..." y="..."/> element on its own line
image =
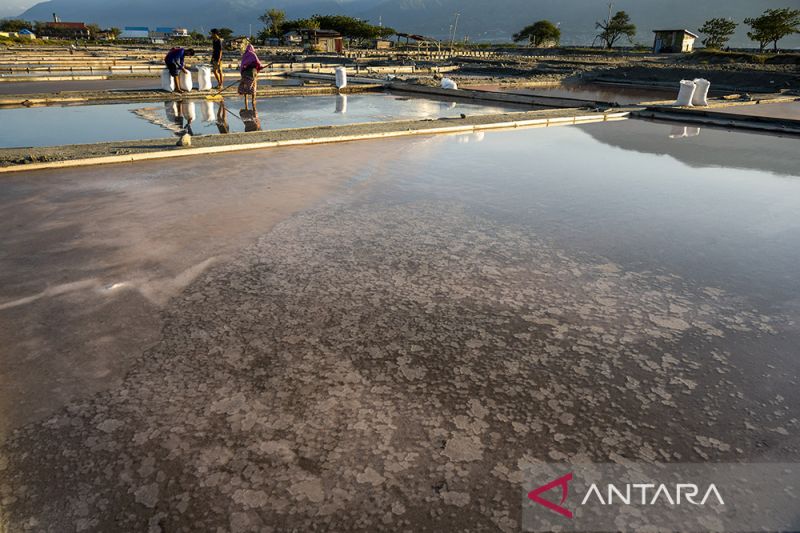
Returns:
<point x="676" y="31"/>
<point x="134" y="34"/>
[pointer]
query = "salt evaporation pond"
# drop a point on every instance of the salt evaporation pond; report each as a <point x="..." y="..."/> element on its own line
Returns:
<point x="589" y="91"/>
<point x="58" y="125"/>
<point x="621" y="291"/>
<point x="573" y="256"/>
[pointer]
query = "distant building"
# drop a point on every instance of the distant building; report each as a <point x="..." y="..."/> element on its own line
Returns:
<point x="292" y="37"/>
<point x="161" y="33"/>
<point x="105" y="35"/>
<point x="673" y="41"/>
<point x="65" y="30"/>
<point x="422" y="42"/>
<point x="164" y="33"/>
<point x="326" y="41"/>
<point x="135" y="33"/>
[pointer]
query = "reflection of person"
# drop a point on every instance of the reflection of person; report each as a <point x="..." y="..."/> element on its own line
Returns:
<point x="250" y="119"/>
<point x="250" y="67"/>
<point x="187" y="112"/>
<point x="173" y="113"/>
<point x="222" y="119"/>
<point x="216" y="57"/>
<point x="175" y="63"/>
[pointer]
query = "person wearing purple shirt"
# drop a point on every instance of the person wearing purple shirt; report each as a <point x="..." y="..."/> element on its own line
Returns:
<point x="175" y="64"/>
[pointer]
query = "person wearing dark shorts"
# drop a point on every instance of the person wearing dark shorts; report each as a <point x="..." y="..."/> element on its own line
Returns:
<point x="175" y="64"/>
<point x="216" y="57"/>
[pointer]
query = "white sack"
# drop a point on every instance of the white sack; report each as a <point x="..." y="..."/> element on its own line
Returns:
<point x="447" y="83"/>
<point x="701" y="92"/>
<point x="167" y="83"/>
<point x="686" y="93"/>
<point x="204" y="78"/>
<point x="186" y="80"/>
<point x="341" y="77"/>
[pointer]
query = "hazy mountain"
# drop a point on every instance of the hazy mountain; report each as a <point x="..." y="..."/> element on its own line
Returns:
<point x="192" y="14"/>
<point x="478" y="19"/>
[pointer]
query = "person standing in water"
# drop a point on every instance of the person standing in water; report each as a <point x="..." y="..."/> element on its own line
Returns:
<point x="216" y="58"/>
<point x="250" y="67"/>
<point x="175" y="63"/>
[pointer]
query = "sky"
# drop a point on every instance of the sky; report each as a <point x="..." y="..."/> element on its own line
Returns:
<point x="12" y="8"/>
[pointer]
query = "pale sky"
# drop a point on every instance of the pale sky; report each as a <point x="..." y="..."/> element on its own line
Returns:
<point x="12" y="8"/>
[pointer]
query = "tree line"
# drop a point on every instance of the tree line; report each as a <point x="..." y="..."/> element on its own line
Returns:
<point x="276" y="25"/>
<point x="770" y="27"/>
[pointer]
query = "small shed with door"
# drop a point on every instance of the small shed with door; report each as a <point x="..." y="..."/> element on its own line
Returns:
<point x="326" y="41"/>
<point x="292" y="37"/>
<point x="673" y="41"/>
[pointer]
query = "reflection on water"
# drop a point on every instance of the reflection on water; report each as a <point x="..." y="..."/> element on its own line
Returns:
<point x="57" y="125"/>
<point x="789" y="110"/>
<point x="722" y="207"/>
<point x="590" y="91"/>
<point x="341" y="104"/>
<point x="716" y="147"/>
<point x="680" y="132"/>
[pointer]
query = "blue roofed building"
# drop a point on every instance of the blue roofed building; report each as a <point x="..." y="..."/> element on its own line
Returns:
<point x="135" y="33"/>
<point x="162" y="32"/>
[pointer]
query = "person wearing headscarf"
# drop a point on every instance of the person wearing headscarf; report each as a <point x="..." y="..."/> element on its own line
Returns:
<point x="249" y="68"/>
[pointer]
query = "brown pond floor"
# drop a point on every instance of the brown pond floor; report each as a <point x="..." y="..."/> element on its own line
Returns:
<point x="381" y="335"/>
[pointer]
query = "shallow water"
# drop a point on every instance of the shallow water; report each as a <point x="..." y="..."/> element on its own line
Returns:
<point x="713" y="205"/>
<point x="368" y="313"/>
<point x="57" y="125"/>
<point x="594" y="92"/>
<point x="790" y="110"/>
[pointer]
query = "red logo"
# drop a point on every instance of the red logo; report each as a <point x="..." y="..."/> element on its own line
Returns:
<point x="563" y="482"/>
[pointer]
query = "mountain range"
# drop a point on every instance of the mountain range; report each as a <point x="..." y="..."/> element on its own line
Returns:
<point x="479" y="20"/>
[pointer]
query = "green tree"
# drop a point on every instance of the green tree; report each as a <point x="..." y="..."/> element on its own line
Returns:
<point x="613" y="29"/>
<point x="539" y="33"/>
<point x="14" y="25"/>
<point x="718" y="31"/>
<point x="115" y="32"/>
<point x="352" y="28"/>
<point x="273" y="21"/>
<point x="773" y="25"/>
<point x="384" y="32"/>
<point x="225" y="33"/>
<point x="300" y="24"/>
<point x="94" y="29"/>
